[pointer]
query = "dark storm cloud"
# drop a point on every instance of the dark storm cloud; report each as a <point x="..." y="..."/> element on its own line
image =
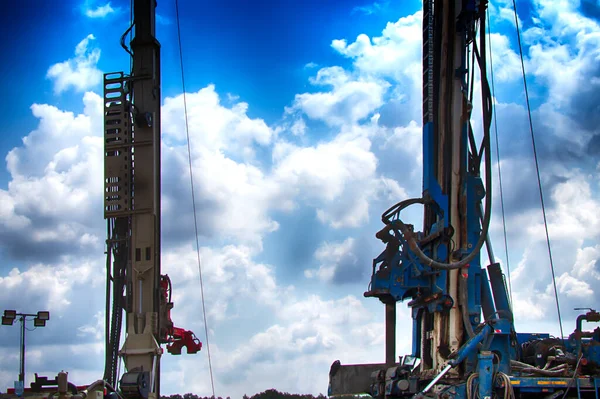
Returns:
<point x="395" y="113"/>
<point x="291" y="247"/>
<point x="520" y="188"/>
<point x="585" y="109"/>
<point x="593" y="146"/>
<point x="178" y="216"/>
<point x="583" y="106"/>
<point x="590" y="8"/>
<point x="48" y="237"/>
<point x="570" y="119"/>
<point x="59" y="330"/>
<point x="19" y="246"/>
<point x="557" y="151"/>
<point x="355" y="265"/>
<point x="398" y="161"/>
<point x="211" y="207"/>
<point x="345" y="262"/>
<point x="55" y="358"/>
<point x="66" y="322"/>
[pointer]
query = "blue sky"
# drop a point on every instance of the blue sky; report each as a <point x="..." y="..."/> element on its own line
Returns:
<point x="305" y="126"/>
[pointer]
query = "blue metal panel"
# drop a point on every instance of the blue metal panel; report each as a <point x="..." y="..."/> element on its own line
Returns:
<point x="486" y="374"/>
<point x="592" y="353"/>
<point x="501" y="345"/>
<point x="416" y="333"/>
<point x="470" y="346"/>
<point x="537" y="384"/>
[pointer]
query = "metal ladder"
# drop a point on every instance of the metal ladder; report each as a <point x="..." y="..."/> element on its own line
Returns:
<point x="594" y="389"/>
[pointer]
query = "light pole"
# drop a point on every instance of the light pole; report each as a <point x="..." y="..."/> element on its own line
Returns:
<point x="39" y="320"/>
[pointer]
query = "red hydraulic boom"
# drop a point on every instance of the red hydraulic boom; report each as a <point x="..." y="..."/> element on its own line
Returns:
<point x="175" y="337"/>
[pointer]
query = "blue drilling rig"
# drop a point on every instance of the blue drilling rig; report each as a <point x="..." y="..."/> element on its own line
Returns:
<point x="464" y="344"/>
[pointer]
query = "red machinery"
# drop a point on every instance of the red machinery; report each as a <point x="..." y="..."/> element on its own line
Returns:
<point x="175" y="337"/>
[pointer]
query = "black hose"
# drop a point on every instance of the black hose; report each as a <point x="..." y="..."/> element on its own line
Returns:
<point x="107" y="310"/>
<point x="104" y="384"/>
<point x="120" y="252"/>
<point x="463" y="292"/>
<point x="123" y="39"/>
<point x="547" y="373"/>
<point x="385" y="218"/>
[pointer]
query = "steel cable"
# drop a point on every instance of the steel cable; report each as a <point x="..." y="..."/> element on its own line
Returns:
<point x="537" y="169"/>
<point x="187" y="131"/>
<point x="498" y="160"/>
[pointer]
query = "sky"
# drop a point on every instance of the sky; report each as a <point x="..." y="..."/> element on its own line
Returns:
<point x="305" y="125"/>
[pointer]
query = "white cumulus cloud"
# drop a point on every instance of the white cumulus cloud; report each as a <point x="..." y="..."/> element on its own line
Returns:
<point x="80" y="72"/>
<point x="100" y="11"/>
<point x="249" y="177"/>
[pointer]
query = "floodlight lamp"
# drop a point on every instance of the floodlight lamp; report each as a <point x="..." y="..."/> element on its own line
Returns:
<point x="10" y="314"/>
<point x="39" y="322"/>
<point x="7" y="321"/>
<point x="43" y="315"/>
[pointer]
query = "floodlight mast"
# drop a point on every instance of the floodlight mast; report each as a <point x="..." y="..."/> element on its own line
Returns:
<point x="39" y="320"/>
<point x="22" y="346"/>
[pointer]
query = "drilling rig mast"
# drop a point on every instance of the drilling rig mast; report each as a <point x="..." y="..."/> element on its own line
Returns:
<point x="132" y="198"/>
<point x="132" y="209"/>
<point x="463" y="332"/>
<point x="132" y="205"/>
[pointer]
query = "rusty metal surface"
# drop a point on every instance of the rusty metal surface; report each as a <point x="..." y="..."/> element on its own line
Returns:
<point x="352" y="379"/>
<point x="390" y="333"/>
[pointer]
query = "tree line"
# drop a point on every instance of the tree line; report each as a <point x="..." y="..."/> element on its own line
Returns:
<point x="268" y="394"/>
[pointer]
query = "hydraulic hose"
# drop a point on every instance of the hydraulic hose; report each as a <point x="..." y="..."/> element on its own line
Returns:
<point x="546" y="373"/>
<point x="108" y="356"/>
<point x="100" y="383"/>
<point x="408" y="235"/>
<point x="463" y="292"/>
